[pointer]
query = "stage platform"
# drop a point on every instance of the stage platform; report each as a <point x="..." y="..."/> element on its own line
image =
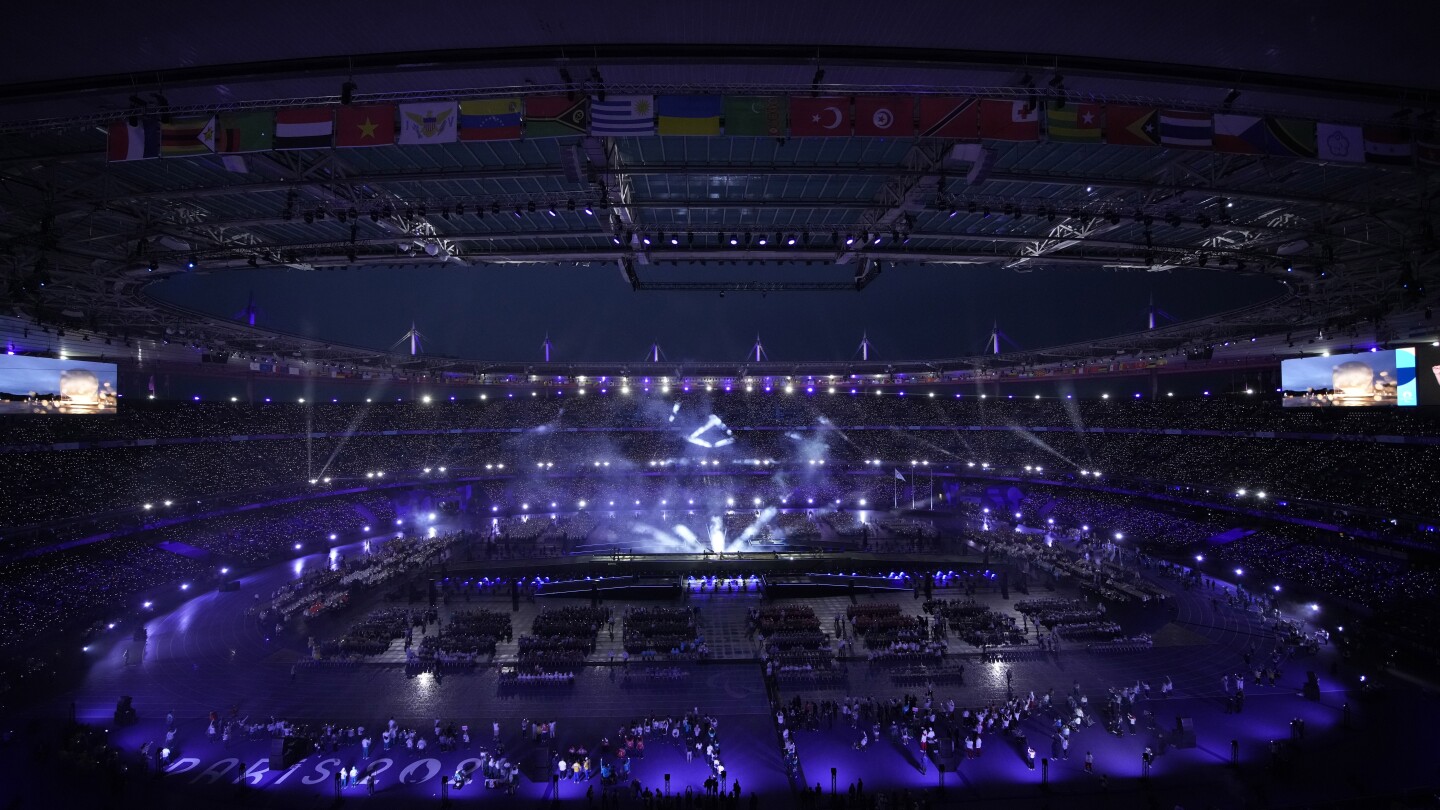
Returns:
<point x="207" y="655"/>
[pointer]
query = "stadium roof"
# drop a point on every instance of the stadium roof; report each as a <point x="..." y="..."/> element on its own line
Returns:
<point x="1352" y="240"/>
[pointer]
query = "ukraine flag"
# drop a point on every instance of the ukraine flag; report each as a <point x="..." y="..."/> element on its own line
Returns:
<point x="689" y="115"/>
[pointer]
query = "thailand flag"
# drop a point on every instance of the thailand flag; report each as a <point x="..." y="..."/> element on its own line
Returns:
<point x="1186" y="130"/>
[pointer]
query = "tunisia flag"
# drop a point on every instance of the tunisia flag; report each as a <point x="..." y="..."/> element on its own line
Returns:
<point x="892" y="116"/>
<point x="826" y="116"/>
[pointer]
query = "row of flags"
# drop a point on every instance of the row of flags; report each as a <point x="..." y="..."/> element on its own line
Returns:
<point x="956" y="117"/>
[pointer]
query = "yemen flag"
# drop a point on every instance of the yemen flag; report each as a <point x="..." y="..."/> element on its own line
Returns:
<point x="1131" y="126"/>
<point x="188" y="136"/>
<point x="1390" y="146"/>
<point x="304" y="128"/>
<point x="1008" y="120"/>
<point x="1073" y="123"/>
<point x="755" y="115"/>
<point x="494" y="119"/>
<point x="689" y="115"/>
<point x="368" y="125"/>
<point x="949" y="117"/>
<point x="1289" y="136"/>
<point x="885" y="116"/>
<point x="1240" y="134"/>
<point x="140" y="142"/>
<point x="825" y="116"/>
<point x="245" y="132"/>
<point x="556" y="116"/>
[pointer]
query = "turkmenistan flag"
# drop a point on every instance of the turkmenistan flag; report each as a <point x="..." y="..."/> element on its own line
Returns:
<point x="187" y="136"/>
<point x="246" y="131"/>
<point x="755" y="115"/>
<point x="1073" y="123"/>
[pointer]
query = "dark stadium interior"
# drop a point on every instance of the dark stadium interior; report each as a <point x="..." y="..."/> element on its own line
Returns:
<point x="703" y="405"/>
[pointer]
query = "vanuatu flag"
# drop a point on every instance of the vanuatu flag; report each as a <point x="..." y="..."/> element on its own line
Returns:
<point x="494" y="119"/>
<point x="689" y="115"/>
<point x="755" y="115"/>
<point x="556" y="116"/>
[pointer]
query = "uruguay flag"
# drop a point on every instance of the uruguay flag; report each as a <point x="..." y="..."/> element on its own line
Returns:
<point x="622" y="115"/>
<point x="139" y="142"/>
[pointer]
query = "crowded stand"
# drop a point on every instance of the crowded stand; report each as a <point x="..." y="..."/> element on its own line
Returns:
<point x="795" y="453"/>
<point x="206" y="451"/>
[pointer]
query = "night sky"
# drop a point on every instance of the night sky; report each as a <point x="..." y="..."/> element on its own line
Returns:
<point x="590" y="313"/>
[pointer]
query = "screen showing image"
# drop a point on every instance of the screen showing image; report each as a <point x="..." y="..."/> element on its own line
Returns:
<point x="47" y="385"/>
<point x="1364" y="380"/>
<point x="1427" y="375"/>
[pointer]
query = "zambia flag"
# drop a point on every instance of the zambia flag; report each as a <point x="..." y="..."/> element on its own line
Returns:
<point x="252" y="131"/>
<point x="755" y="115"/>
<point x="1073" y="123"/>
<point x="556" y="116"/>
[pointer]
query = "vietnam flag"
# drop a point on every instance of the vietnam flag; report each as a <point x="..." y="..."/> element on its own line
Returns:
<point x="825" y="116"/>
<point x="892" y="116"/>
<point x="1005" y="120"/>
<point x="366" y="125"/>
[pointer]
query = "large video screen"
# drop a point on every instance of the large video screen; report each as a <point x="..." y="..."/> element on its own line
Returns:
<point x="47" y="385"/>
<point x="1364" y="380"/>
<point x="1426" y="375"/>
